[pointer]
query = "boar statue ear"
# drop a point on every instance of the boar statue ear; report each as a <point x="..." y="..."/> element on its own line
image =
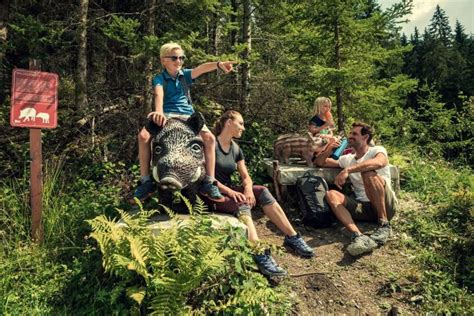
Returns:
<point x="152" y="128"/>
<point x="196" y="122"/>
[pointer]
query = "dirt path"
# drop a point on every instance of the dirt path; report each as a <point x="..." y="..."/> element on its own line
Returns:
<point x="336" y="283"/>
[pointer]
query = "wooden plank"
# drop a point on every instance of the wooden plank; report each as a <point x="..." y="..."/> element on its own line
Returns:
<point x="288" y="174"/>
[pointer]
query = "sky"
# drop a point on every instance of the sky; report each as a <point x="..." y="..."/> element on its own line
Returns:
<point x="422" y="12"/>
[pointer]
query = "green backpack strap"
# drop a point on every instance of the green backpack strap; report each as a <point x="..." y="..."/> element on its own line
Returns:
<point x="187" y="92"/>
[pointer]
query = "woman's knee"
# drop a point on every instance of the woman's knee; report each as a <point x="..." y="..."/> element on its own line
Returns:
<point x="263" y="195"/>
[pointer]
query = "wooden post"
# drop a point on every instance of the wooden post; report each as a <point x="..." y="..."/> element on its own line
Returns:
<point x="36" y="175"/>
<point x="276" y="182"/>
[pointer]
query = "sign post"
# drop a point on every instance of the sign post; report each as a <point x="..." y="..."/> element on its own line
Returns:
<point x="34" y="105"/>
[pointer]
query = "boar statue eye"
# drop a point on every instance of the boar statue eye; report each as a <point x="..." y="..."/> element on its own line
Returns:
<point x="157" y="150"/>
<point x="196" y="148"/>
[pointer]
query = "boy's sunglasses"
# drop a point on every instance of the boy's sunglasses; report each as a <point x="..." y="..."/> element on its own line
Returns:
<point x="175" y="58"/>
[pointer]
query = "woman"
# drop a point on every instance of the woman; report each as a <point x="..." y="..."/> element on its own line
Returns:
<point x="239" y="200"/>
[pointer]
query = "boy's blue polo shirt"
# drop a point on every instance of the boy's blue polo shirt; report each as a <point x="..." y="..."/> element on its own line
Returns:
<point x="175" y="100"/>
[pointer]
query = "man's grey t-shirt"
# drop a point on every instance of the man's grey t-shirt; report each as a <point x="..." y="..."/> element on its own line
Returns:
<point x="226" y="162"/>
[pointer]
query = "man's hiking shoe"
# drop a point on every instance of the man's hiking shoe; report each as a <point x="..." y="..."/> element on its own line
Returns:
<point x="382" y="234"/>
<point x="211" y="191"/>
<point x="267" y="265"/>
<point x="361" y="244"/>
<point x="144" y="190"/>
<point x="299" y="246"/>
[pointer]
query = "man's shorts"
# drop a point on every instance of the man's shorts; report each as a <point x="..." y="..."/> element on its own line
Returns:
<point x="184" y="117"/>
<point x="364" y="211"/>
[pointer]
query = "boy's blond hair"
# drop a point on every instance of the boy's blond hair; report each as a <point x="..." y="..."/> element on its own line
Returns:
<point x="167" y="48"/>
<point x="319" y="102"/>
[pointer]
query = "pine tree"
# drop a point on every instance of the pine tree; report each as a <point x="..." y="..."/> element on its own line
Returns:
<point x="439" y="26"/>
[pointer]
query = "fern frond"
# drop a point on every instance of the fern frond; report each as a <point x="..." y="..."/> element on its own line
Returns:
<point x="168" y="211"/>
<point x="199" y="206"/>
<point x="136" y="293"/>
<point x="138" y="250"/>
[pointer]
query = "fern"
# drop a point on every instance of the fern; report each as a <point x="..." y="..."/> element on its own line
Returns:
<point x="189" y="268"/>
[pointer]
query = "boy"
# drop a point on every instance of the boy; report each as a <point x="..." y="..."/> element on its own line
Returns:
<point x="176" y="102"/>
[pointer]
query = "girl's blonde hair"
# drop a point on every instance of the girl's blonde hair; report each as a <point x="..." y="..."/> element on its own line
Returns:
<point x="319" y="102"/>
<point x="228" y="115"/>
<point x="167" y="48"/>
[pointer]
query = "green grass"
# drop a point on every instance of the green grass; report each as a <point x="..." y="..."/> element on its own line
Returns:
<point x="441" y="233"/>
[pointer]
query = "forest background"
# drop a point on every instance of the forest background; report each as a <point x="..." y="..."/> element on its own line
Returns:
<point x="417" y="90"/>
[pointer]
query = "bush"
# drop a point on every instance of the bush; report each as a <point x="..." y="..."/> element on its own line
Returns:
<point x="442" y="233"/>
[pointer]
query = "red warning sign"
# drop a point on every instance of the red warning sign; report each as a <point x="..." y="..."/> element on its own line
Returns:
<point x="34" y="99"/>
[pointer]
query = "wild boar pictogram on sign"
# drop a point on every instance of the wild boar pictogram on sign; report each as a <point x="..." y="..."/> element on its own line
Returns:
<point x="34" y="99"/>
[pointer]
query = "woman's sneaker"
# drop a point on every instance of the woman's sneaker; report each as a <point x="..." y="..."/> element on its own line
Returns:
<point x="267" y="265"/>
<point x="211" y="191"/>
<point x="361" y="244"/>
<point x="144" y="190"/>
<point x="299" y="246"/>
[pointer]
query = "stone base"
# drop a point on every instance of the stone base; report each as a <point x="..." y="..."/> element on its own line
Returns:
<point x="162" y="222"/>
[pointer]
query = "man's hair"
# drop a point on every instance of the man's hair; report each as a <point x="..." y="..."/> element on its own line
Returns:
<point x="365" y="130"/>
<point x="167" y="48"/>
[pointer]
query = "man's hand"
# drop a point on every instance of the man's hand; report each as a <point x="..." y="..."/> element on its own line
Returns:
<point x="226" y="66"/>
<point x="333" y="143"/>
<point x="341" y="178"/>
<point x="157" y="117"/>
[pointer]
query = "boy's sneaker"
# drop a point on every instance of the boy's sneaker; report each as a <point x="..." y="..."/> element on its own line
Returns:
<point x="144" y="190"/>
<point x="267" y="265"/>
<point x="211" y="191"/>
<point x="382" y="234"/>
<point x="299" y="246"/>
<point x="361" y="244"/>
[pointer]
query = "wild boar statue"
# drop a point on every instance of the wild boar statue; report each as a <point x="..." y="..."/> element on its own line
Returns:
<point x="298" y="146"/>
<point x="178" y="155"/>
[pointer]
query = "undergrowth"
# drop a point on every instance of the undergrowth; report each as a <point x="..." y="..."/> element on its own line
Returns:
<point x="191" y="268"/>
<point x="440" y="234"/>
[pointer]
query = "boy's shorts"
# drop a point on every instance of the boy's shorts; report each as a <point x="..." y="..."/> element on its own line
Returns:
<point x="364" y="211"/>
<point x="184" y="117"/>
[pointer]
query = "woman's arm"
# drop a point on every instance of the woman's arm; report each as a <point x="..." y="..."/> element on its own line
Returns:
<point x="236" y="196"/>
<point x="247" y="182"/>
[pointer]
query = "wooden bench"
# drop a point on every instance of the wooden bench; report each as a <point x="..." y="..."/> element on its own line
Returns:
<point x="284" y="175"/>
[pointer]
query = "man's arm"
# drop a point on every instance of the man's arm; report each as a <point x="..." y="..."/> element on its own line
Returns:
<point x="379" y="161"/>
<point x="225" y="66"/>
<point x="323" y="159"/>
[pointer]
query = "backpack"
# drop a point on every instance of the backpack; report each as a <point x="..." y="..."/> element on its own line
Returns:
<point x="314" y="208"/>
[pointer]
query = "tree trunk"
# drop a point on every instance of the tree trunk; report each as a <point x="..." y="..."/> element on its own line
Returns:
<point x="246" y="40"/>
<point x="150" y="30"/>
<point x="212" y="34"/>
<point x="81" y="79"/>
<point x="233" y="38"/>
<point x="4" y="12"/>
<point x="339" y="89"/>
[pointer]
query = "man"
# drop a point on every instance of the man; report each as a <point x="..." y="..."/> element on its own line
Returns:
<point x="374" y="200"/>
